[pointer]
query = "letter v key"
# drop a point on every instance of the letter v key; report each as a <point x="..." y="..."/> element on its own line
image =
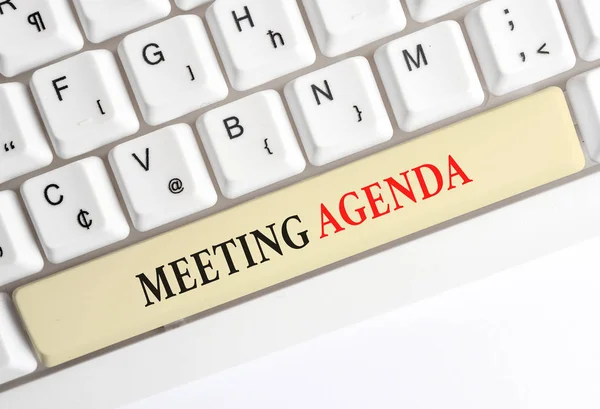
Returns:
<point x="145" y="165"/>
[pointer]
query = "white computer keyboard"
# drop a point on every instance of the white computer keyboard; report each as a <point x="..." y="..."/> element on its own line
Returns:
<point x="169" y="116"/>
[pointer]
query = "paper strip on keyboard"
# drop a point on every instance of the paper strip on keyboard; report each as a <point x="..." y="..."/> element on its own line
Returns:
<point x="389" y="195"/>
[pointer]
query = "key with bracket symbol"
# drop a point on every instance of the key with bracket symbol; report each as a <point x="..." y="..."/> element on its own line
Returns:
<point x="359" y="113"/>
<point x="267" y="146"/>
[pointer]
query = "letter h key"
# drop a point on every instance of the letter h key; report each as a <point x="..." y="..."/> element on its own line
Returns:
<point x="259" y="40"/>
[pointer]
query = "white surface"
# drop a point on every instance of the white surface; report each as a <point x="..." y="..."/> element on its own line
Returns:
<point x="368" y="288"/>
<point x="425" y="10"/>
<point x="23" y="146"/>
<point x="324" y="105"/>
<point x="524" y="339"/>
<point x="583" y="18"/>
<point x="500" y="41"/>
<point x="269" y="41"/>
<point x="106" y="19"/>
<point x="345" y="26"/>
<point x="16" y="358"/>
<point x="57" y="202"/>
<point x="584" y="95"/>
<point x="19" y="255"/>
<point x="250" y="143"/>
<point x="429" y="76"/>
<point x="172" y="69"/>
<point x="55" y="36"/>
<point x="190" y="4"/>
<point x="162" y="176"/>
<point x="84" y="103"/>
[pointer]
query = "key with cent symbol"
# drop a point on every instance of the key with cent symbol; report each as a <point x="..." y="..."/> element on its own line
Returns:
<point x="75" y="209"/>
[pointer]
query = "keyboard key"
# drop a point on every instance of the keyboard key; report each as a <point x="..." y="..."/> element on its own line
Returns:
<point x="106" y="19"/>
<point x="429" y="76"/>
<point x="345" y="26"/>
<point x="172" y="69"/>
<point x="23" y="146"/>
<point x="250" y="143"/>
<point x="283" y="235"/>
<point x="338" y="111"/>
<point x="35" y="32"/>
<point x="425" y="10"/>
<point x="190" y="4"/>
<point x="84" y="103"/>
<point x="19" y="255"/>
<point x="259" y="40"/>
<point x="519" y="43"/>
<point x="16" y="358"/>
<point x="162" y="176"/>
<point x="583" y="18"/>
<point x="584" y="94"/>
<point x="74" y="210"/>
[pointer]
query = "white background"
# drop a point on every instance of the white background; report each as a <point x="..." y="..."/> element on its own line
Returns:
<point x="528" y="337"/>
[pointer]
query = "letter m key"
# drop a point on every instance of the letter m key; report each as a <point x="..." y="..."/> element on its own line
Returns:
<point x="410" y="60"/>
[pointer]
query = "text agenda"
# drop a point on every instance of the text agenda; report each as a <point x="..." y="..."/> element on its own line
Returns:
<point x="282" y="235"/>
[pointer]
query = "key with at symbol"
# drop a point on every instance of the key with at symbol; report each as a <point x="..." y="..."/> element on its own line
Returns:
<point x="74" y="209"/>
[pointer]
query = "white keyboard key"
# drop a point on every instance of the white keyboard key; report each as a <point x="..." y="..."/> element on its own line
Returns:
<point x="338" y="110"/>
<point x="190" y="4"/>
<point x="16" y="358"/>
<point x="74" y="209"/>
<point x="106" y="19"/>
<point x="519" y="43"/>
<point x="23" y="146"/>
<point x="429" y="76"/>
<point x="172" y="69"/>
<point x="259" y="40"/>
<point x="250" y="143"/>
<point x="35" y="32"/>
<point x="584" y="94"/>
<point x="583" y="17"/>
<point x="345" y="26"/>
<point x="162" y="176"/>
<point x="425" y="10"/>
<point x="84" y="103"/>
<point x="19" y="255"/>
